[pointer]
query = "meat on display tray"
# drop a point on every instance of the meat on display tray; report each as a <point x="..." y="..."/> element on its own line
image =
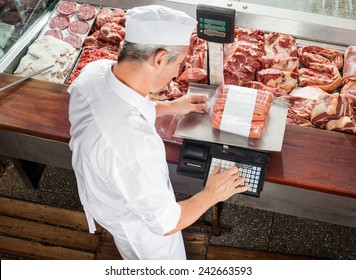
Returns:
<point x="71" y="22"/>
<point x="88" y="54"/>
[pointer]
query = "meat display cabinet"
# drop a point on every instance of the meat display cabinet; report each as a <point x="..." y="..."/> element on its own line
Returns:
<point x="312" y="177"/>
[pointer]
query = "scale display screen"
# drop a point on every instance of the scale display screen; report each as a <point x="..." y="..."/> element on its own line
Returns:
<point x="216" y="24"/>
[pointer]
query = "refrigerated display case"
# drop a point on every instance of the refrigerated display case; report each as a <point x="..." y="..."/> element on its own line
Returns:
<point x="20" y="23"/>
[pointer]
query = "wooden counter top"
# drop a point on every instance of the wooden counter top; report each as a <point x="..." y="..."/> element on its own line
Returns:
<point x="311" y="158"/>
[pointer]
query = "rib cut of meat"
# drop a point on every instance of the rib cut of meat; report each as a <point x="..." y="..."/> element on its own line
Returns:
<point x="325" y="76"/>
<point x="344" y="124"/>
<point x="280" y="62"/>
<point x="310" y="54"/>
<point x="330" y="107"/>
<point x="301" y="106"/>
<point x="293" y="118"/>
<point x="280" y="44"/>
<point x="276" y="78"/>
<point x="308" y="92"/>
<point x="349" y="71"/>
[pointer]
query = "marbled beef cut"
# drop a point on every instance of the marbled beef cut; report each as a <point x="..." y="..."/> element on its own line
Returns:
<point x="349" y="71"/>
<point x="320" y="55"/>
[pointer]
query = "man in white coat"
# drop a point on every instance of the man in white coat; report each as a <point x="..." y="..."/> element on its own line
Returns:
<point x="118" y="157"/>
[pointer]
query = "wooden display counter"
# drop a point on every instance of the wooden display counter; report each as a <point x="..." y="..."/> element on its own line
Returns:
<point x="34" y="126"/>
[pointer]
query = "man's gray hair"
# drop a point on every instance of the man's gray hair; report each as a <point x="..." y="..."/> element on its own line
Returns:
<point x="140" y="52"/>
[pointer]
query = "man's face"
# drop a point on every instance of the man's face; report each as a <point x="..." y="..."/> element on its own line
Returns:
<point x="168" y="71"/>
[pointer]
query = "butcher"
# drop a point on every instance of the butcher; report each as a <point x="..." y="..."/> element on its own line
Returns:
<point x="119" y="159"/>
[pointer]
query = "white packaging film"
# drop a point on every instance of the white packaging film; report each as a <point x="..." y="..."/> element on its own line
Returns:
<point x="238" y="111"/>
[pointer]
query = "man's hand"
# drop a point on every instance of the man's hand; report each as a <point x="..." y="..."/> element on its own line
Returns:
<point x="190" y="103"/>
<point x="223" y="185"/>
<point x="183" y="105"/>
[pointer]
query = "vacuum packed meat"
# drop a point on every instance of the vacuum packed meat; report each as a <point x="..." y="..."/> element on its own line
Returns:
<point x="254" y="104"/>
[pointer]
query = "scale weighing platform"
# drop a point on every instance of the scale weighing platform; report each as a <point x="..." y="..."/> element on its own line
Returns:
<point x="204" y="146"/>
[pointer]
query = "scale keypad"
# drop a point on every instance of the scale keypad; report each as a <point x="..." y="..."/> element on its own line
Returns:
<point x="250" y="172"/>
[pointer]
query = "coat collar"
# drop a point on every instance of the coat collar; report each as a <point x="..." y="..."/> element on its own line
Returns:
<point x="142" y="104"/>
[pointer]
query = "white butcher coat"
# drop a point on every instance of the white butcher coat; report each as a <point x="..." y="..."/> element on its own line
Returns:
<point x="120" y="165"/>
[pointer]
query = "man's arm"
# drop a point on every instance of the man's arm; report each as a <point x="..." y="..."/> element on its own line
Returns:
<point x="182" y="105"/>
<point x="219" y="187"/>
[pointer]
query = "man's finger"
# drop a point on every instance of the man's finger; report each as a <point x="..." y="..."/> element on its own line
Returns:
<point x="200" y="108"/>
<point x="198" y="98"/>
<point x="216" y="169"/>
<point x="240" y="189"/>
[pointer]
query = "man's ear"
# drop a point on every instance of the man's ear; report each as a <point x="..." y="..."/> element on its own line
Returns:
<point x="158" y="57"/>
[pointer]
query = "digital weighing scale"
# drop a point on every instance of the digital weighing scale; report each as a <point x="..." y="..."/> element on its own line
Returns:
<point x="204" y="146"/>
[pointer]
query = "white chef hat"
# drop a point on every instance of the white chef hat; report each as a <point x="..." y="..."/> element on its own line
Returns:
<point x="158" y="25"/>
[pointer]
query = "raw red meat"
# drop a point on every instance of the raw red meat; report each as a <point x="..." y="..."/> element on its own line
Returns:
<point x="349" y="70"/>
<point x="112" y="33"/>
<point x="257" y="85"/>
<point x="325" y="76"/>
<point x="276" y="78"/>
<point x="260" y="111"/>
<point x="192" y="75"/>
<point x="109" y="15"/>
<point x="293" y="118"/>
<point x="280" y="44"/>
<point x="79" y="27"/>
<point x="320" y="55"/>
<point x="66" y="7"/>
<point x="330" y="107"/>
<point x="61" y="22"/>
<point x="89" y="55"/>
<point x="284" y="63"/>
<point x="170" y="92"/>
<point x="86" y="12"/>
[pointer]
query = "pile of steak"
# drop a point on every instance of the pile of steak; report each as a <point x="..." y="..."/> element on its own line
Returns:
<point x="109" y="30"/>
<point x="242" y="58"/>
<point x="321" y="67"/>
<point x="280" y="64"/>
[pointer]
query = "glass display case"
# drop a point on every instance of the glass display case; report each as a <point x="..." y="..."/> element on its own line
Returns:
<point x="336" y="8"/>
<point x="20" y="22"/>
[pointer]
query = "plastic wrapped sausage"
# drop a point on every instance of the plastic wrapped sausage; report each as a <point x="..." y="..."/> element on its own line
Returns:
<point x="240" y="110"/>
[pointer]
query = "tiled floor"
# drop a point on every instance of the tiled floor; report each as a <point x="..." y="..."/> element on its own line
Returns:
<point x="250" y="228"/>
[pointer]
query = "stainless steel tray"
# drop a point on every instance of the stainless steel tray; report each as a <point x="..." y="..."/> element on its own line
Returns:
<point x="198" y="127"/>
